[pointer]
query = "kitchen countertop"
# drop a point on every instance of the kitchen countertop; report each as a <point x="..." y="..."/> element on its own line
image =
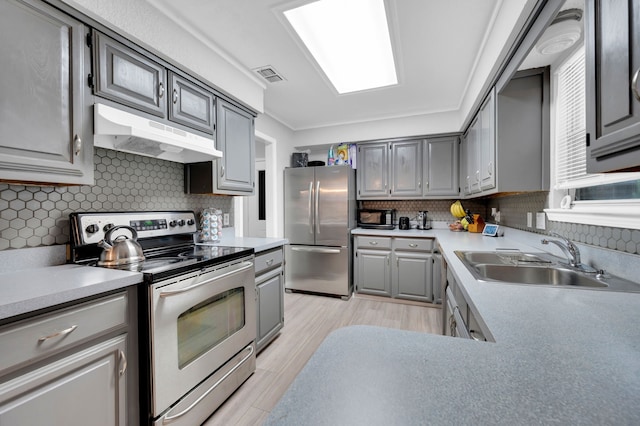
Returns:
<point x="27" y="290"/>
<point x="566" y="356"/>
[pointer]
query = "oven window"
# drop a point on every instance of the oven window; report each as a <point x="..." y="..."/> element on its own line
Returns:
<point x="371" y="217"/>
<point x="209" y="323"/>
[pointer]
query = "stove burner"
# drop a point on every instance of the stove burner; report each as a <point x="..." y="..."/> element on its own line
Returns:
<point x="204" y="252"/>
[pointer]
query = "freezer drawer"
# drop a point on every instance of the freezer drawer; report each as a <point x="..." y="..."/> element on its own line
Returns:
<point x="318" y="269"/>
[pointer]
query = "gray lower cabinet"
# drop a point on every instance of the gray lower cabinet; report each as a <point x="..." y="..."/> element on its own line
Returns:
<point x="128" y="77"/>
<point x="458" y="317"/>
<point x="270" y="292"/>
<point x="45" y="123"/>
<point x="395" y="267"/>
<point x="613" y="85"/>
<point x="72" y="366"/>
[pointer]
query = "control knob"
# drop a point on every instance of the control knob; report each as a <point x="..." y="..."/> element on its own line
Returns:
<point x="181" y="222"/>
<point x="190" y="222"/>
<point x="173" y="223"/>
<point x="108" y="226"/>
<point x="92" y="229"/>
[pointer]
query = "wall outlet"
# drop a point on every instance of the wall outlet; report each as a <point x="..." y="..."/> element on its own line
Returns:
<point x="225" y="219"/>
<point x="541" y="220"/>
<point x="529" y="219"/>
<point x="497" y="217"/>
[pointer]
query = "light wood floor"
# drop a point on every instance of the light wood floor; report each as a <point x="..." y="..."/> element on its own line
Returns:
<point x="308" y="320"/>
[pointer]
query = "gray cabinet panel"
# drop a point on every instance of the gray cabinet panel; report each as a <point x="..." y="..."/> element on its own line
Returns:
<point x="373" y="272"/>
<point x="441" y="167"/>
<point x="43" y="107"/>
<point x="412" y="276"/>
<point x="190" y="104"/>
<point x="128" y="77"/>
<point x="90" y="384"/>
<point x="373" y="170"/>
<point x="235" y="138"/>
<point x="270" y="306"/>
<point x="613" y="85"/>
<point x="487" y="144"/>
<point x="406" y="168"/>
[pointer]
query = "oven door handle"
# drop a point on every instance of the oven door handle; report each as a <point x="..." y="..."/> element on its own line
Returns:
<point x="170" y="419"/>
<point x="167" y="293"/>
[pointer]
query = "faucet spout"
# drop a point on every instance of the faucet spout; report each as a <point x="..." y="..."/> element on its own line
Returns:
<point x="568" y="248"/>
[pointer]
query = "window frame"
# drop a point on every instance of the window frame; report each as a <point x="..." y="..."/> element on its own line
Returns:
<point x="562" y="206"/>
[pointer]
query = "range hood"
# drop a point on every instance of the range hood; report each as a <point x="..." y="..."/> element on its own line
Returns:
<point x="123" y="131"/>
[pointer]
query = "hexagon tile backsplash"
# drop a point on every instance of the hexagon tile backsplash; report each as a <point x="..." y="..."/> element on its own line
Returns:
<point x="32" y="216"/>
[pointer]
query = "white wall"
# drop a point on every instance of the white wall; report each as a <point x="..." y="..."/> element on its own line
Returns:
<point x="145" y="25"/>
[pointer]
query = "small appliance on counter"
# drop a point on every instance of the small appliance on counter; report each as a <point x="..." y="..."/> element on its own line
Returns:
<point x="404" y="223"/>
<point x="423" y="221"/>
<point x="376" y="218"/>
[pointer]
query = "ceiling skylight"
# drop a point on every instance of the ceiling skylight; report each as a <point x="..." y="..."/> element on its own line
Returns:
<point x="349" y="40"/>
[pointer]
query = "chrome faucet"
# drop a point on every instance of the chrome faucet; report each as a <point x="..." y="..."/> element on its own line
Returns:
<point x="570" y="250"/>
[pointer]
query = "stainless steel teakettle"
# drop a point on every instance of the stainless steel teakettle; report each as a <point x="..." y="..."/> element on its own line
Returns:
<point x="121" y="250"/>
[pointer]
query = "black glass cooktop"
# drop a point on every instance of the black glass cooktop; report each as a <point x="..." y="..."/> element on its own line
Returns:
<point x="182" y="260"/>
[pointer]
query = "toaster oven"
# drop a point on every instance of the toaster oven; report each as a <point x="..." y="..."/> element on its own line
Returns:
<point x="376" y="218"/>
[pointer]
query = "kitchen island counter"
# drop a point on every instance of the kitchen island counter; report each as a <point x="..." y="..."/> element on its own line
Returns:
<point x="566" y="356"/>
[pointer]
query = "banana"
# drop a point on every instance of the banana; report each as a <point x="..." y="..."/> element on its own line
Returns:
<point x="457" y="210"/>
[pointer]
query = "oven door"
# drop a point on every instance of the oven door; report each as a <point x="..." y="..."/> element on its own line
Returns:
<point x="198" y="323"/>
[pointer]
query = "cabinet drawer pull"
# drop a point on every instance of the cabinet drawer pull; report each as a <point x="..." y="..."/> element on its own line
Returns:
<point x="413" y="245"/>
<point x="123" y="362"/>
<point x="175" y="96"/>
<point x="634" y="85"/>
<point x="373" y="243"/>
<point x="269" y="262"/>
<point x="59" y="333"/>
<point x="160" y="90"/>
<point x="77" y="144"/>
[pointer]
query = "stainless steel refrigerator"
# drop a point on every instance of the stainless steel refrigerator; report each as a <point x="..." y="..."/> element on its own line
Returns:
<point x="319" y="213"/>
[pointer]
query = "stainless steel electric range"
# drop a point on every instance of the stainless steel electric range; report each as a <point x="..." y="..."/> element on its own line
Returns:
<point x="197" y="313"/>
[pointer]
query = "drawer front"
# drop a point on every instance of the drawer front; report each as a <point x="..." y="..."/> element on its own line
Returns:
<point x="35" y="338"/>
<point x="417" y="244"/>
<point x="373" y="242"/>
<point x="268" y="260"/>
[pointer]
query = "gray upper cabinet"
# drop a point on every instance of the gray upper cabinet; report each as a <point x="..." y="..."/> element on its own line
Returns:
<point x="613" y="85"/>
<point x="506" y="147"/>
<point x="441" y="167"/>
<point x="128" y="77"/>
<point x="406" y="168"/>
<point x="47" y="135"/>
<point x="190" y="104"/>
<point x="235" y="138"/>
<point x="373" y="170"/>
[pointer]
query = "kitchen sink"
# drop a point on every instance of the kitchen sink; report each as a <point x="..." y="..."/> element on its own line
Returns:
<point x="500" y="257"/>
<point x="537" y="275"/>
<point x="514" y="267"/>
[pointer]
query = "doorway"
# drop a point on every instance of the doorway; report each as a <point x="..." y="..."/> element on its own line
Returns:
<point x="255" y="214"/>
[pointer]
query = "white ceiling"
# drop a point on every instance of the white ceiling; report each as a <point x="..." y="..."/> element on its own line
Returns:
<point x="437" y="44"/>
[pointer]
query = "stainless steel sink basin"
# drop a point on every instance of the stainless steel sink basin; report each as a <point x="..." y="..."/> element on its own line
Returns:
<point x="500" y="257"/>
<point x="537" y="275"/>
<point x="514" y="267"/>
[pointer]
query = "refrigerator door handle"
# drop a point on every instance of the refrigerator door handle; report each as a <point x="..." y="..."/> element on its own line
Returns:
<point x="317" y="215"/>
<point x="316" y="250"/>
<point x="310" y="208"/>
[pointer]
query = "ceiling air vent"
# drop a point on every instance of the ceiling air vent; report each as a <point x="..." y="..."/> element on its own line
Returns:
<point x="269" y="74"/>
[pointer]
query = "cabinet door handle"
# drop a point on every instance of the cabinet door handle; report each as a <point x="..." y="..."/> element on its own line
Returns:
<point x="634" y="85"/>
<point x="123" y="362"/>
<point x="175" y="96"/>
<point x="59" y="333"/>
<point x="160" y="90"/>
<point x="77" y="144"/>
<point x="490" y="168"/>
<point x="222" y="171"/>
<point x="419" y="184"/>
